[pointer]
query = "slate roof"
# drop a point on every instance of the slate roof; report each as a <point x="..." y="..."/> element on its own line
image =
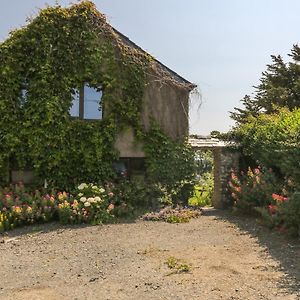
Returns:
<point x="173" y="74"/>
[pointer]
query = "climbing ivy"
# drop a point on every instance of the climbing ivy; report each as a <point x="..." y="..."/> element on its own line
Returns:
<point x="57" y="52"/>
<point x="170" y="163"/>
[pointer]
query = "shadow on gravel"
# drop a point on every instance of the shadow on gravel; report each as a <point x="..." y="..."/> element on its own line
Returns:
<point x="282" y="248"/>
<point x="39" y="228"/>
<point x="56" y="226"/>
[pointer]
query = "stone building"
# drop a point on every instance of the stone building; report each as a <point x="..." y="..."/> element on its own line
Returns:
<point x="68" y="66"/>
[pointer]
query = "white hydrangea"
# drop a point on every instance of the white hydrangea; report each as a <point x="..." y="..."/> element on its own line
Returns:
<point x="94" y="187"/>
<point x="86" y="204"/>
<point x="98" y="199"/>
<point x="101" y="190"/>
<point x="82" y="186"/>
<point x="80" y="195"/>
<point x="82" y="199"/>
<point x="90" y="200"/>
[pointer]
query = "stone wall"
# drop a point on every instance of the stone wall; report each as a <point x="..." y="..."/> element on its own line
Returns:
<point x="224" y="160"/>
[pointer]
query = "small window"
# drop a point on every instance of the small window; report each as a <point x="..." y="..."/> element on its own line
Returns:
<point x="86" y="103"/>
<point x="23" y="95"/>
<point x="92" y="103"/>
<point x="74" y="110"/>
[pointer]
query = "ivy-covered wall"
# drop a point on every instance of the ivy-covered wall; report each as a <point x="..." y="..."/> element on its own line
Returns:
<point x="57" y="52"/>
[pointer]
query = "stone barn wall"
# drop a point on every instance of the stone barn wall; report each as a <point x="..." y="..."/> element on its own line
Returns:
<point x="168" y="105"/>
<point x="165" y="103"/>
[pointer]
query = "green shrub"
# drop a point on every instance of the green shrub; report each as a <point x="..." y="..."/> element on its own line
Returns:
<point x="273" y="141"/>
<point x="203" y="191"/>
<point x="170" y="164"/>
<point x="289" y="212"/>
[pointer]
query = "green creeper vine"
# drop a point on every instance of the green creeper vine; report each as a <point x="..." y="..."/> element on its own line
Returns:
<point x="57" y="52"/>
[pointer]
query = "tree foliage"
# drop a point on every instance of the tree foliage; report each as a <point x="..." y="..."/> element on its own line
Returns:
<point x="267" y="127"/>
<point x="279" y="87"/>
<point x="273" y="140"/>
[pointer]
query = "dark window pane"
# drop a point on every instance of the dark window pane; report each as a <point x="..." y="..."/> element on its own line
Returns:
<point x="92" y="103"/>
<point x="74" y="110"/>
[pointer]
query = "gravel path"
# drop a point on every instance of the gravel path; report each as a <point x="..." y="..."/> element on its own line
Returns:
<point x="229" y="258"/>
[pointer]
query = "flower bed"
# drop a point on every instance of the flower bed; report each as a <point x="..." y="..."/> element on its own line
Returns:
<point x="254" y="192"/>
<point x="88" y="204"/>
<point x="173" y="215"/>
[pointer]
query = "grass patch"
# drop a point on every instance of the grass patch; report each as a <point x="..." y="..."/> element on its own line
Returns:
<point x="202" y="196"/>
<point x="177" y="265"/>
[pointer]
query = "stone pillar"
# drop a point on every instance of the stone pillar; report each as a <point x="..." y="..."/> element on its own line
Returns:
<point x="217" y="195"/>
<point x="224" y="161"/>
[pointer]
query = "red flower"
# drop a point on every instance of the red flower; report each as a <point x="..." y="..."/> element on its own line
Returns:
<point x="278" y="198"/>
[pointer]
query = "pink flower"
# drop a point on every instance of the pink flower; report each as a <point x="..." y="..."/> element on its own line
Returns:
<point x="272" y="209"/>
<point x="257" y="171"/>
<point x="233" y="176"/>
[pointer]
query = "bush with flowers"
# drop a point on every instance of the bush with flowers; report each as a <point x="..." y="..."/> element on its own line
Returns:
<point x="283" y="214"/>
<point x="271" y="216"/>
<point x="252" y="188"/>
<point x="19" y="207"/>
<point x="91" y="204"/>
<point x="88" y="204"/>
<point x="289" y="212"/>
<point x="254" y="192"/>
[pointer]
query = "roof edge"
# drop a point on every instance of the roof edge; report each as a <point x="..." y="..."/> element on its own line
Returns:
<point x="175" y="75"/>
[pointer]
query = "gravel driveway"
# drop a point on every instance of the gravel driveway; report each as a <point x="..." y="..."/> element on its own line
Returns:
<point x="228" y="258"/>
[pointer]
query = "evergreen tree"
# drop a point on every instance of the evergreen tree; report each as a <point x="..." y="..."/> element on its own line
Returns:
<point x="251" y="108"/>
<point x="279" y="87"/>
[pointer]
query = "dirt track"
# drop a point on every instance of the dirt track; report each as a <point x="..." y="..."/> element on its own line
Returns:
<point x="230" y="258"/>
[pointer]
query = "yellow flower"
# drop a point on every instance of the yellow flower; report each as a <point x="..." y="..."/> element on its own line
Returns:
<point x="17" y="209"/>
<point x="62" y="196"/>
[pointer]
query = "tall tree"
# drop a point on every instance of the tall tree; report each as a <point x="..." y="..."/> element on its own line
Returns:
<point x="279" y="87"/>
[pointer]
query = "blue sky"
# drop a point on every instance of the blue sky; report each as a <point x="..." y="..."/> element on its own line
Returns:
<point x="221" y="45"/>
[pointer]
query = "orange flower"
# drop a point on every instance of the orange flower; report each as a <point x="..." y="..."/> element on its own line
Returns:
<point x="110" y="207"/>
